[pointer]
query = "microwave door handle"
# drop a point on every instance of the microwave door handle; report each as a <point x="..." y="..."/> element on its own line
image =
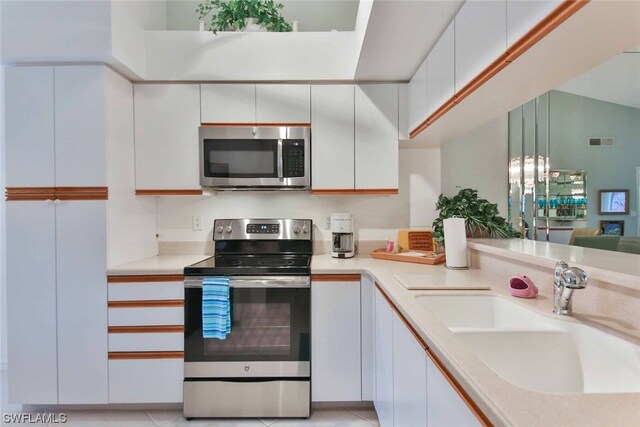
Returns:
<point x="280" y="159"/>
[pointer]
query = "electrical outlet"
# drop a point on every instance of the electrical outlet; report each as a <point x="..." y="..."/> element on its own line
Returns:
<point x="327" y="223"/>
<point x="197" y="223"/>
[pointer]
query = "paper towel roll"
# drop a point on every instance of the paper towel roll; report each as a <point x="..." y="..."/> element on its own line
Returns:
<point x="455" y="243"/>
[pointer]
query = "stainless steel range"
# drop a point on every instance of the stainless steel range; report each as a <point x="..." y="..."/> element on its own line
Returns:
<point x="262" y="367"/>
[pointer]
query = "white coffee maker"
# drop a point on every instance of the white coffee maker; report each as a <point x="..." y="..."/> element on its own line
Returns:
<point x="342" y="245"/>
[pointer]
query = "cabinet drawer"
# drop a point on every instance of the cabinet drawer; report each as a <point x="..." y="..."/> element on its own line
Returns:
<point x="141" y="291"/>
<point x="144" y="341"/>
<point x="144" y="316"/>
<point x="145" y="381"/>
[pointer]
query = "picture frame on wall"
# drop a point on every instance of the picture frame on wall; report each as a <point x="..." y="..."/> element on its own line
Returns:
<point x="613" y="202"/>
<point x="612" y="228"/>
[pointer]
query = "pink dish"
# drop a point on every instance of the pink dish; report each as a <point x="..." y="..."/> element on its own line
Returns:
<point x="522" y="287"/>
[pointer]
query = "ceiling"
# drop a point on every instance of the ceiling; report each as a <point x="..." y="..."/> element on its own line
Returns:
<point x="616" y="80"/>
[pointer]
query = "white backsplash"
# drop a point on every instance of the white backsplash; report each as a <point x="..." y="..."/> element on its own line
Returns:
<point x="375" y="217"/>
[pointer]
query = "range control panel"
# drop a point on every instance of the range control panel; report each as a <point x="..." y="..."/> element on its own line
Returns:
<point x="263" y="228"/>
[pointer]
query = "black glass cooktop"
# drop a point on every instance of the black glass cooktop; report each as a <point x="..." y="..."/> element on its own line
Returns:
<point x="251" y="265"/>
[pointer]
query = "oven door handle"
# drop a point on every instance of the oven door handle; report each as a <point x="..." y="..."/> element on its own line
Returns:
<point x="257" y="282"/>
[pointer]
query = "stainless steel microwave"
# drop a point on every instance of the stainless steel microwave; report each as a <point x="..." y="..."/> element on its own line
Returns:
<point x="255" y="158"/>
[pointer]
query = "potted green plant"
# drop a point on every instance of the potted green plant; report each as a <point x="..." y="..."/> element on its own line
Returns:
<point x="235" y="15"/>
<point x="481" y="216"/>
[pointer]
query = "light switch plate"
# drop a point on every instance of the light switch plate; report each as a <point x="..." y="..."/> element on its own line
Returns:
<point x="197" y="223"/>
<point x="327" y="223"/>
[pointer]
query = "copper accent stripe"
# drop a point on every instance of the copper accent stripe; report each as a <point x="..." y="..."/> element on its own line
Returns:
<point x="145" y="329"/>
<point x="29" y="193"/>
<point x="445" y="372"/>
<point x="82" y="193"/>
<point x="146" y="303"/>
<point x="306" y="125"/>
<point x="335" y="277"/>
<point x="169" y="192"/>
<point x="552" y="21"/>
<point x="349" y="192"/>
<point x="147" y="278"/>
<point x="123" y="355"/>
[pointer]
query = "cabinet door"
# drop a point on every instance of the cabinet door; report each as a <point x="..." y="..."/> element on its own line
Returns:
<point x="383" y="335"/>
<point x="81" y="248"/>
<point x="167" y="117"/>
<point x="440" y="71"/>
<point x="228" y="103"/>
<point x="335" y="341"/>
<point x="283" y="103"/>
<point x="445" y="408"/>
<point x="139" y="381"/>
<point x="481" y="37"/>
<point x="333" y="136"/>
<point x="80" y="126"/>
<point x="409" y="378"/>
<point x="31" y="307"/>
<point x="522" y="15"/>
<point x="418" y="107"/>
<point x="376" y="136"/>
<point x="29" y="127"/>
<point x="367" y="290"/>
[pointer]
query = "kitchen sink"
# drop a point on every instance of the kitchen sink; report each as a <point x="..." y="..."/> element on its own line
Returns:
<point x="538" y="352"/>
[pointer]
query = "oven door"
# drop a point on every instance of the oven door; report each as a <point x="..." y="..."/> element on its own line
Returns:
<point x="270" y="330"/>
<point x="269" y="157"/>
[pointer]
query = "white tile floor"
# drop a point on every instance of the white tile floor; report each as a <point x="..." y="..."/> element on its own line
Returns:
<point x="173" y="417"/>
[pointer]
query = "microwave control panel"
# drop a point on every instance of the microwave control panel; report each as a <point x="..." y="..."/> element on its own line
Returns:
<point x="293" y="158"/>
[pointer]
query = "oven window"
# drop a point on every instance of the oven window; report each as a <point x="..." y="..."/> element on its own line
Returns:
<point x="241" y="158"/>
<point x="266" y="325"/>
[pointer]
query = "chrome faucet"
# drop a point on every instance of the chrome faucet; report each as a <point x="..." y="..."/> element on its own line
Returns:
<point x="566" y="280"/>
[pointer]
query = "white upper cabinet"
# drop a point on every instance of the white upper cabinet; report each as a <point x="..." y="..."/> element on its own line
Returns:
<point x="282" y="103"/>
<point x="335" y="341"/>
<point x="522" y="15"/>
<point x="403" y="111"/>
<point x="376" y="136"/>
<point x="80" y="126"/>
<point x="228" y="103"/>
<point x="417" y="97"/>
<point x="167" y="117"/>
<point x="29" y="104"/>
<point x="332" y="148"/>
<point x="440" y="71"/>
<point x="480" y="37"/>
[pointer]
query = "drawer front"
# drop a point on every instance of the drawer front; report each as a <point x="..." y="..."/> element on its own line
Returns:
<point x="144" y="291"/>
<point x="146" y="341"/>
<point x="145" y="381"/>
<point x="146" y="316"/>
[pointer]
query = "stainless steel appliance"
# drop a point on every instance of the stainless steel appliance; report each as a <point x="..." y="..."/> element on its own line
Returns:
<point x="255" y="158"/>
<point x="262" y="368"/>
<point x="342" y="244"/>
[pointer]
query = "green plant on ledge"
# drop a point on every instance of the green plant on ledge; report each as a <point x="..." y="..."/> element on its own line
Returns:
<point x="232" y="14"/>
<point x="481" y="216"/>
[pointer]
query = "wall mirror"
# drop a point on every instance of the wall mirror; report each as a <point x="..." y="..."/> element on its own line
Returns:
<point x="569" y="147"/>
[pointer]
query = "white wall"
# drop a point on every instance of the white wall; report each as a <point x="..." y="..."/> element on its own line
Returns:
<point x="478" y="160"/>
<point x="376" y="217"/>
<point x="129" y="21"/>
<point x="131" y="220"/>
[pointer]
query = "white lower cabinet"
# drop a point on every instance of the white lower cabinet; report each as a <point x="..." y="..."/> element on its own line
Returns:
<point x="410" y="389"/>
<point x="383" y="337"/>
<point x="335" y="341"/>
<point x="409" y="378"/>
<point x="367" y="292"/>
<point x="145" y="380"/>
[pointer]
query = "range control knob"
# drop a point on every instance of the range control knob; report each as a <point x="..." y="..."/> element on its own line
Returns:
<point x="228" y="229"/>
<point x="296" y="230"/>
<point x="219" y="229"/>
<point x="305" y="230"/>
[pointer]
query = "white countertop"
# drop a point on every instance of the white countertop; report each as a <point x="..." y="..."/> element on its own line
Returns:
<point x="503" y="402"/>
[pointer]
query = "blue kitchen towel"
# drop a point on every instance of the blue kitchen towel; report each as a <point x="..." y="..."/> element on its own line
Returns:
<point x="216" y="308"/>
